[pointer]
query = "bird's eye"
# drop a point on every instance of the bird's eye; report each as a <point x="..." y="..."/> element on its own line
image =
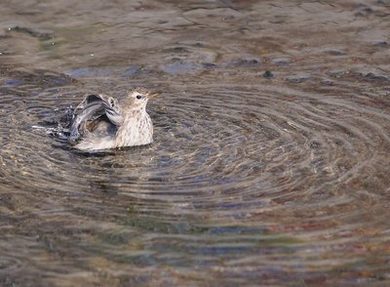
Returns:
<point x="139" y="97"/>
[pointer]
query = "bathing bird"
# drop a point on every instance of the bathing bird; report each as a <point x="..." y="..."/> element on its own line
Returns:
<point x="102" y="122"/>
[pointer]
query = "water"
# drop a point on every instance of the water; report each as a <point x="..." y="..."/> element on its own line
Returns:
<point x="271" y="157"/>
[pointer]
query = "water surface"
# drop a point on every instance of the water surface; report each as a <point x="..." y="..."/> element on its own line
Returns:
<point x="270" y="165"/>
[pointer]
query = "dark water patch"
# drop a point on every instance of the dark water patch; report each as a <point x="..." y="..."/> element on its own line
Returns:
<point x="380" y="43"/>
<point x="334" y="52"/>
<point x="36" y="33"/>
<point x="41" y="78"/>
<point x="268" y="74"/>
<point x="132" y="70"/>
<point x="13" y="82"/>
<point x="90" y="72"/>
<point x="247" y="61"/>
<point x="281" y="61"/>
<point x="178" y="49"/>
<point x="209" y="66"/>
<point x="178" y="67"/>
<point x="383" y="2"/>
<point x="300" y="78"/>
<point x="374" y="76"/>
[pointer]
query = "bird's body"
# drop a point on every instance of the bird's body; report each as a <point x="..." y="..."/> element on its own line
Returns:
<point x="101" y="122"/>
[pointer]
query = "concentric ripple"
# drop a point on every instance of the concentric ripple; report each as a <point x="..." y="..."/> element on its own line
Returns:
<point x="232" y="168"/>
<point x="241" y="146"/>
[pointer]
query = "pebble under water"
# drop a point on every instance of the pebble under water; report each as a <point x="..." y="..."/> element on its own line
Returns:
<point x="270" y="162"/>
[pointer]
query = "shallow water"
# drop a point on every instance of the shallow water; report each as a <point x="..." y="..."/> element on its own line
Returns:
<point x="270" y="164"/>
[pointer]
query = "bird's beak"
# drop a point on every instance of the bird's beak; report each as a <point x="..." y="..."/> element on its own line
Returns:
<point x="154" y="95"/>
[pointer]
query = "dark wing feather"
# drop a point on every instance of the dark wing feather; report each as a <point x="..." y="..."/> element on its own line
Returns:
<point x="92" y="109"/>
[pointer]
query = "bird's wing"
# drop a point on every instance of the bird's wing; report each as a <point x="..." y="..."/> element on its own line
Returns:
<point x="91" y="110"/>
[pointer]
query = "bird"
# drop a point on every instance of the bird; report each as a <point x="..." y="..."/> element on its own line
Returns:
<point x="101" y="122"/>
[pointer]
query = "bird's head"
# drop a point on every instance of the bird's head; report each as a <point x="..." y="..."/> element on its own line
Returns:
<point x="138" y="98"/>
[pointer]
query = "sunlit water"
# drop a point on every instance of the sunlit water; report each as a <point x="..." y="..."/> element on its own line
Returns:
<point x="270" y="165"/>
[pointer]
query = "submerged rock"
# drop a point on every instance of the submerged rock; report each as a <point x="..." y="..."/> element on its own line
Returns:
<point x="268" y="75"/>
<point x="37" y="33"/>
<point x="281" y="61"/>
<point x="246" y="61"/>
<point x="299" y="78"/>
<point x="372" y="76"/>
